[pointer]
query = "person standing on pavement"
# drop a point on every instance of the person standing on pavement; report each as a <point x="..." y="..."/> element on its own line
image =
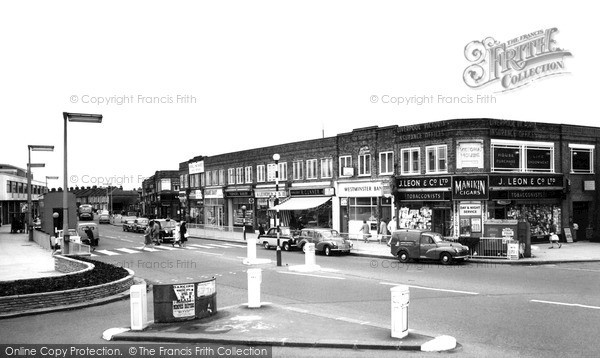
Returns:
<point x="183" y="235"/>
<point x="155" y="232"/>
<point x="391" y="226"/>
<point x="365" y="229"/>
<point x="383" y="231"/>
<point x="147" y="235"/>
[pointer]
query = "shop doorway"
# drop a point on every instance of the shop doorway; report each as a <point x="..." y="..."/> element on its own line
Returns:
<point x="442" y="221"/>
<point x="581" y="210"/>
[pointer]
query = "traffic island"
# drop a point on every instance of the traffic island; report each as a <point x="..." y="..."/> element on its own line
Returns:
<point x="279" y="326"/>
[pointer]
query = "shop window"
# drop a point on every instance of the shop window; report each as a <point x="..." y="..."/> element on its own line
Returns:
<point x="437" y="159"/>
<point x="326" y="168"/>
<point x="386" y="163"/>
<point x="518" y="156"/>
<point x="260" y="173"/>
<point x="411" y="161"/>
<point x="248" y="174"/>
<point x="582" y="158"/>
<point x="283" y="171"/>
<point x="239" y="175"/>
<point x="364" y="164"/>
<point x="311" y="169"/>
<point x="415" y="217"/>
<point x="346" y="169"/>
<point x="231" y="176"/>
<point x="297" y="171"/>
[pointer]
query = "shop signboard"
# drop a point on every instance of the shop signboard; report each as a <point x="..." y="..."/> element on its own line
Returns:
<point x="526" y="181"/>
<point x="213" y="193"/>
<point x="469" y="155"/>
<point x="424" y="196"/>
<point x="512" y="250"/>
<point x="266" y="194"/>
<point x="196" y="194"/>
<point x="196" y="167"/>
<point x="539" y="158"/>
<point x="360" y="190"/>
<point x="438" y="182"/>
<point x="506" y="158"/>
<point x="470" y="209"/>
<point x="244" y="193"/>
<point x="312" y="192"/>
<point x="470" y="188"/>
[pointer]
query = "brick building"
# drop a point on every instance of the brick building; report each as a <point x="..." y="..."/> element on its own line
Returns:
<point x="160" y="195"/>
<point x="456" y="177"/>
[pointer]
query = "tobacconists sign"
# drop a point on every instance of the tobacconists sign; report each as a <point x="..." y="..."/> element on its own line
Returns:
<point x="470" y="188"/>
<point x="527" y="181"/>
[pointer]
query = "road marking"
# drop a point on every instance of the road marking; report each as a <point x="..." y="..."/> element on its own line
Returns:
<point x="161" y="247"/>
<point x="428" y="288"/>
<point x="201" y="246"/>
<point x="311" y="275"/>
<point x="217" y="245"/>
<point x="567" y="304"/>
<point x="128" y="251"/>
<point x="234" y="245"/>
<point x="108" y="253"/>
<point x="209" y="253"/>
<point x="115" y="238"/>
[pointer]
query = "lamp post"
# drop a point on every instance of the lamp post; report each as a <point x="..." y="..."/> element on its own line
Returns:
<point x="49" y="177"/>
<point x="244" y="221"/>
<point x="276" y="158"/>
<point x="34" y="148"/>
<point x="71" y="117"/>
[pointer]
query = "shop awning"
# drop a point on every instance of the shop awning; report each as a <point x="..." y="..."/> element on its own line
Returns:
<point x="302" y="203"/>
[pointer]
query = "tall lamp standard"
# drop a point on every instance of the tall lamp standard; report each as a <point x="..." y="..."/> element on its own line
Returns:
<point x="244" y="221"/>
<point x="34" y="148"/>
<point x="276" y="158"/>
<point x="71" y="117"/>
<point x="49" y="177"/>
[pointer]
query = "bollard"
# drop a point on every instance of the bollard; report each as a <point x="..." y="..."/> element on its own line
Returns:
<point x="139" y="307"/>
<point x="400" y="301"/>
<point x="254" y="281"/>
<point x="309" y="258"/>
<point x="251" y="249"/>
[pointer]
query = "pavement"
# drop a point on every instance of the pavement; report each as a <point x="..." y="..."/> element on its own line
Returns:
<point x="272" y="324"/>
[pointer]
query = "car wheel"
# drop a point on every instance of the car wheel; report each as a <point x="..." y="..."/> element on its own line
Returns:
<point x="286" y="246"/>
<point x="445" y="258"/>
<point x="266" y="245"/>
<point x="327" y="251"/>
<point x="403" y="256"/>
<point x="302" y="248"/>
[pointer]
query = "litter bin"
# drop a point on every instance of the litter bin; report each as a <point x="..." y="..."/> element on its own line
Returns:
<point x="400" y="301"/>
<point x="185" y="301"/>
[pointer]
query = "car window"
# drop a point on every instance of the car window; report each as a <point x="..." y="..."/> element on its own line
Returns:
<point x="426" y="239"/>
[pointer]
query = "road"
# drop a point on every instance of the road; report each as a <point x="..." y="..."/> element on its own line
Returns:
<point x="492" y="310"/>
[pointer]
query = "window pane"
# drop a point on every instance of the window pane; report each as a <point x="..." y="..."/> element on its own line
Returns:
<point x="581" y="160"/>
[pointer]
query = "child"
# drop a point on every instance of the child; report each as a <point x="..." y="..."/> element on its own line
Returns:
<point x="553" y="240"/>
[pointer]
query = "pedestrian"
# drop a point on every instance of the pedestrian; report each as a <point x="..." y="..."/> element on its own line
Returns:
<point x="183" y="234"/>
<point x="90" y="235"/>
<point x="176" y="236"/>
<point x="261" y="229"/>
<point x="554" y="240"/>
<point x="365" y="229"/>
<point x="383" y="231"/>
<point x="391" y="227"/>
<point x="147" y="236"/>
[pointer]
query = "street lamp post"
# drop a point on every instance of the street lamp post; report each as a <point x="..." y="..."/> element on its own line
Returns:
<point x="49" y="177"/>
<point x="276" y="158"/>
<point x="34" y="148"/>
<point x="71" y="117"/>
<point x="244" y="221"/>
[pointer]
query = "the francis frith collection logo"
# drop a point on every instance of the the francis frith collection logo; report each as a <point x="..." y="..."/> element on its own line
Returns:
<point x="514" y="63"/>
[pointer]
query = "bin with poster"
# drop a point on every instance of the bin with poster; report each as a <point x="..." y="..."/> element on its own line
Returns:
<point x="185" y="301"/>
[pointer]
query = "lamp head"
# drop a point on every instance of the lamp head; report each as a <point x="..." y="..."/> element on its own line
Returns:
<point x="276" y="157"/>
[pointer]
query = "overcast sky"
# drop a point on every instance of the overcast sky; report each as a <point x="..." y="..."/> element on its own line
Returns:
<point x="258" y="73"/>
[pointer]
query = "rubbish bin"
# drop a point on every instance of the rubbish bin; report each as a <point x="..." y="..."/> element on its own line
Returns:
<point x="400" y="301"/>
<point x="180" y="302"/>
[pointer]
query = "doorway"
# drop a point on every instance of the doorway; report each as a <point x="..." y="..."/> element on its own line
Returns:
<point x="581" y="210"/>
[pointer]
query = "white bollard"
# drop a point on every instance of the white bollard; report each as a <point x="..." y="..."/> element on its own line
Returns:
<point x="400" y="301"/>
<point x="251" y="249"/>
<point x="309" y="258"/>
<point x="254" y="281"/>
<point x="139" y="307"/>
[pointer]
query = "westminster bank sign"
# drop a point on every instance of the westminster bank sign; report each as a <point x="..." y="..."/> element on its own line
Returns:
<point x="516" y="62"/>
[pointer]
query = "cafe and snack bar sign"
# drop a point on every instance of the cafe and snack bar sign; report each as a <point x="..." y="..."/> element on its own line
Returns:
<point x="516" y="62"/>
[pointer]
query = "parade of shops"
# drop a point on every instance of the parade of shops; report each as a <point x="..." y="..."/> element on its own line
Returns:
<point x="456" y="177"/>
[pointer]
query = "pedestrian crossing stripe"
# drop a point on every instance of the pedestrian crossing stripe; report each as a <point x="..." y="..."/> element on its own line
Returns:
<point x="216" y="245"/>
<point x="201" y="246"/>
<point x="106" y="252"/>
<point x="137" y="250"/>
<point x="127" y="251"/>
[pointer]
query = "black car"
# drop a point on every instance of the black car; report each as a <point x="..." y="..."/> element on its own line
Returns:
<point x="287" y="238"/>
<point x="167" y="230"/>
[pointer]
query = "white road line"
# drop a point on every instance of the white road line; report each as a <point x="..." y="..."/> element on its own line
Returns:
<point x="311" y="275"/>
<point x="149" y="249"/>
<point x="209" y="253"/>
<point x="428" y="288"/>
<point x="217" y="245"/>
<point x="162" y="247"/>
<point x="201" y="246"/>
<point x="234" y="245"/>
<point x="567" y="304"/>
<point x="108" y="253"/>
<point x="128" y="251"/>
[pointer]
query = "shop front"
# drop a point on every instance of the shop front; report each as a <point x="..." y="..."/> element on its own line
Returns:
<point x="306" y="207"/>
<point x="214" y="207"/>
<point x="536" y="199"/>
<point x="425" y="203"/>
<point x="264" y="198"/>
<point x="236" y="198"/>
<point x="363" y="201"/>
<point x="469" y="197"/>
<point x="195" y="207"/>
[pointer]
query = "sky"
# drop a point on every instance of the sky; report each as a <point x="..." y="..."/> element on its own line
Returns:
<point x="178" y="79"/>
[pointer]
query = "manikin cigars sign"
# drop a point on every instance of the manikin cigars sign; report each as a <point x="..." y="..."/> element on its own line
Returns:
<point x="516" y="62"/>
<point x="470" y="188"/>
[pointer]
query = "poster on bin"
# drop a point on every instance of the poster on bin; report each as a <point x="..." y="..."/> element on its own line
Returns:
<point x="185" y="304"/>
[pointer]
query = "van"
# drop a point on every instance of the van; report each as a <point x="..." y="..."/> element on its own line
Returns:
<point x="407" y="244"/>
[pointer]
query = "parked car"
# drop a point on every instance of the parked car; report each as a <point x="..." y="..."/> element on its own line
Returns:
<point x="327" y="241"/>
<point x="81" y="227"/>
<point x="104" y="217"/>
<point x="167" y="230"/>
<point x="287" y="238"/>
<point x="129" y="225"/>
<point x="140" y="224"/>
<point x="85" y="212"/>
<point x="415" y="244"/>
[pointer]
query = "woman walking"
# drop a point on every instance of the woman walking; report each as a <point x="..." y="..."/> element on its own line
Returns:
<point x="183" y="234"/>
